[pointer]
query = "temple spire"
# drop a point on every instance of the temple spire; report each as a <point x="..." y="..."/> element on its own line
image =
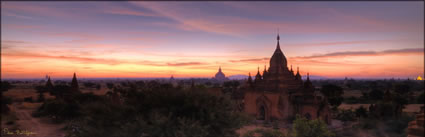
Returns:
<point x="278" y="38"/>
<point x="308" y="76"/>
<point x="74" y="83"/>
<point x="298" y="70"/>
<point x="250" y="80"/>
<point x="258" y="69"/>
<point x="219" y="69"/>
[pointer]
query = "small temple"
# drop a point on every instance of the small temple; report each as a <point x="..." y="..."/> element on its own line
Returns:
<point x="74" y="84"/>
<point x="219" y="76"/>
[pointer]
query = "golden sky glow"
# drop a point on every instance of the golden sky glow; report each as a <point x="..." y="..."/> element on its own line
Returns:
<point x="192" y="39"/>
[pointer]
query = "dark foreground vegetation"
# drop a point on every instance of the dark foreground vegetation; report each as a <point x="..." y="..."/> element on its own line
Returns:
<point x="144" y="109"/>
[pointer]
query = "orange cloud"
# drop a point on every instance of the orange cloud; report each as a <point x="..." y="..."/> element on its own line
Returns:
<point x="69" y="58"/>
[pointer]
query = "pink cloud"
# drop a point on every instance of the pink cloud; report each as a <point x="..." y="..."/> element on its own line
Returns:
<point x="346" y="42"/>
<point x="20" y="26"/>
<point x="412" y="51"/>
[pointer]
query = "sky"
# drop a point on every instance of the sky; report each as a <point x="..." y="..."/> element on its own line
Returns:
<point x="192" y="39"/>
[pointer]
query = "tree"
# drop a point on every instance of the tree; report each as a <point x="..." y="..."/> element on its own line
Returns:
<point x="5" y="86"/>
<point x="402" y="89"/>
<point x="346" y="115"/>
<point x="361" y="112"/>
<point x="110" y="85"/>
<point x="333" y="93"/>
<point x="376" y="94"/>
<point x="303" y="127"/>
<point x="40" y="90"/>
<point x="420" y="99"/>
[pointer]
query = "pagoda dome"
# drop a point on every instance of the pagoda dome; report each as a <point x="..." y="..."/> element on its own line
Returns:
<point x="278" y="60"/>
<point x="220" y="74"/>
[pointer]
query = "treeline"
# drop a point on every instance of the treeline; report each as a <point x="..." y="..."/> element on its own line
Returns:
<point x="374" y="90"/>
<point x="364" y="85"/>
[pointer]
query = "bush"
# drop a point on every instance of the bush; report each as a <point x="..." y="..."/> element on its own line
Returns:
<point x="333" y="93"/>
<point x="4" y="102"/>
<point x="264" y="133"/>
<point x="346" y="115"/>
<point x="361" y="112"/>
<point x="420" y="99"/>
<point x="303" y="127"/>
<point x="398" y="125"/>
<point x="376" y="94"/>
<point x="59" y="109"/>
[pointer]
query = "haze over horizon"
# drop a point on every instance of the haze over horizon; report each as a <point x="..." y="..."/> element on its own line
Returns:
<point x="192" y="39"/>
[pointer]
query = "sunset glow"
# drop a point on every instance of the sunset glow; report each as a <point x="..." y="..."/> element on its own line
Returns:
<point x="192" y="39"/>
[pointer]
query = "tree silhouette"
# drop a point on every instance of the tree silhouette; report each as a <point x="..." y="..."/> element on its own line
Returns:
<point x="333" y="93"/>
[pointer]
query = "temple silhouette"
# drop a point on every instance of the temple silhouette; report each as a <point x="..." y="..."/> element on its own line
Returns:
<point x="279" y="94"/>
<point x="219" y="76"/>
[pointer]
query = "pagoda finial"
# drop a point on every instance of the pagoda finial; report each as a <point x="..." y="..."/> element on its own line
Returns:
<point x="219" y="68"/>
<point x="298" y="69"/>
<point x="278" y="38"/>
<point x="291" y="68"/>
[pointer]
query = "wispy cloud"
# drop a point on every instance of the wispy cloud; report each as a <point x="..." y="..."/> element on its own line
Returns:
<point x="185" y="64"/>
<point x="346" y="42"/>
<point x="16" y="15"/>
<point x="20" y="26"/>
<point x="411" y="51"/>
<point x="253" y="60"/>
<point x="64" y="58"/>
<point x="119" y="10"/>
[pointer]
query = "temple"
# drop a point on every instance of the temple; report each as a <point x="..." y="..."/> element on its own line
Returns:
<point x="219" y="76"/>
<point x="279" y="94"/>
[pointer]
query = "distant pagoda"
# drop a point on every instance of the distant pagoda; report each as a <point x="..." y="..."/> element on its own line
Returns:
<point x="49" y="84"/>
<point x="219" y="76"/>
<point x="74" y="84"/>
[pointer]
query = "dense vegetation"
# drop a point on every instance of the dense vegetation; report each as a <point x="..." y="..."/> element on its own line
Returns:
<point x="148" y="109"/>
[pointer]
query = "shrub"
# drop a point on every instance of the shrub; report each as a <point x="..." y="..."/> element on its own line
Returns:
<point x="264" y="133"/>
<point x="333" y="93"/>
<point x="346" y="115"/>
<point x="303" y="127"/>
<point x="376" y="94"/>
<point x="59" y="109"/>
<point x="4" y="102"/>
<point x="420" y="99"/>
<point x="361" y="112"/>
